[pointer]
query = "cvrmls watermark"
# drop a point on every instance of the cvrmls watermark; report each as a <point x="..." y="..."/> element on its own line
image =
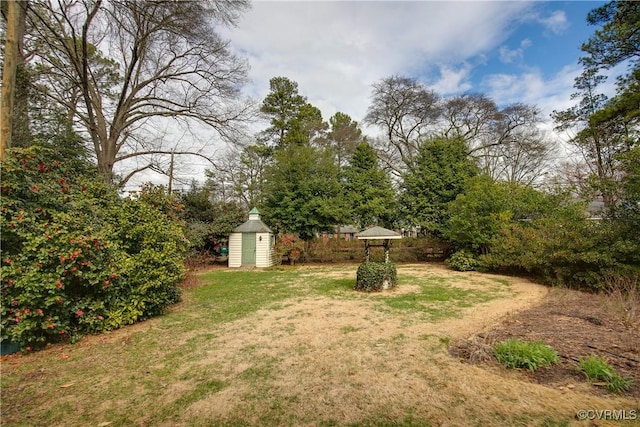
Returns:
<point x="607" y="414"/>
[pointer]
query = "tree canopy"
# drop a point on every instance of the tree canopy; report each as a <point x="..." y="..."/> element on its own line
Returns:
<point x="117" y="67"/>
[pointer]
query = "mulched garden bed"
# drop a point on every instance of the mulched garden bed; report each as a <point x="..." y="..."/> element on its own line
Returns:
<point x="576" y="324"/>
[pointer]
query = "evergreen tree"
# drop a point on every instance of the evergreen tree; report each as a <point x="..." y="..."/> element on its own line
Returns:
<point x="368" y="192"/>
<point x="303" y="191"/>
<point x="345" y="135"/>
<point x="281" y="105"/>
<point x="436" y="177"/>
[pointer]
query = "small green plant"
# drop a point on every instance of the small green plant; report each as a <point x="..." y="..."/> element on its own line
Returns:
<point x="375" y="276"/>
<point x="514" y="353"/>
<point x="596" y="369"/>
<point x="463" y="261"/>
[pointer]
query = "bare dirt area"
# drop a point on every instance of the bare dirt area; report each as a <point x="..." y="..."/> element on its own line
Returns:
<point x="577" y="325"/>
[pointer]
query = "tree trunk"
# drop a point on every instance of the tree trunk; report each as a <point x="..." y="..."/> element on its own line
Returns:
<point x="11" y="57"/>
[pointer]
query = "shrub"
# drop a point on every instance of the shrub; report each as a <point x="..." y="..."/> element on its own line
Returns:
<point x="514" y="353"/>
<point x="463" y="261"/>
<point x="76" y="258"/>
<point x="375" y="276"/>
<point x="624" y="297"/>
<point x="595" y="368"/>
<point x="291" y="246"/>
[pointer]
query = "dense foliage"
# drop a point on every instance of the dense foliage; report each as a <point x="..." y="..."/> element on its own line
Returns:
<point x="437" y="176"/>
<point x="375" y="276"/>
<point x="519" y="229"/>
<point x="463" y="261"/>
<point x="368" y="192"/>
<point x="209" y="221"/>
<point x="77" y="258"/>
<point x="303" y="192"/>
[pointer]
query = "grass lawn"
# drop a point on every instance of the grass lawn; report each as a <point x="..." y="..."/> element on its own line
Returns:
<point x="295" y="346"/>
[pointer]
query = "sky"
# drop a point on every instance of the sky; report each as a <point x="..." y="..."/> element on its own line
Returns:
<point x="512" y="51"/>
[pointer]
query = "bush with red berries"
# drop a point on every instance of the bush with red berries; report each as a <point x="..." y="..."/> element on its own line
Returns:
<point x="76" y="257"/>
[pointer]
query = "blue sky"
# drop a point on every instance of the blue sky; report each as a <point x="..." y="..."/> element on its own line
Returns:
<point x="512" y="51"/>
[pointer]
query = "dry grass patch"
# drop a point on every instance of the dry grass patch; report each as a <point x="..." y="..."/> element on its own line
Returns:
<point x="295" y="347"/>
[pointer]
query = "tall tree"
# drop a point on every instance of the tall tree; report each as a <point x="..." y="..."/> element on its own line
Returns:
<point x="407" y="111"/>
<point x="606" y="128"/>
<point x="473" y="117"/>
<point x="441" y="168"/>
<point x="345" y="135"/>
<point x="303" y="191"/>
<point x="591" y="140"/>
<point x="306" y="127"/>
<point x="519" y="151"/>
<point x="507" y="142"/>
<point x="121" y="65"/>
<point x="282" y="105"/>
<point x="618" y="39"/>
<point x="369" y="196"/>
<point x="242" y="173"/>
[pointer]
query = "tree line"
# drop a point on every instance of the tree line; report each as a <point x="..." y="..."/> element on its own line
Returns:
<point x="101" y="78"/>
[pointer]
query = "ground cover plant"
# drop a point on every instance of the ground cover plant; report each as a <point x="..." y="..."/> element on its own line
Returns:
<point x="596" y="369"/>
<point x="295" y="346"/>
<point x="514" y="353"/>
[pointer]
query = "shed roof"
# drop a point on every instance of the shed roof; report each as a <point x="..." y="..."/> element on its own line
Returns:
<point x="378" y="233"/>
<point x="253" y="225"/>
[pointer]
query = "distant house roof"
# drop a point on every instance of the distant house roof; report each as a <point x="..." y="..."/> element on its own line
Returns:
<point x="347" y="229"/>
<point x="378" y="233"/>
<point x="253" y="225"/>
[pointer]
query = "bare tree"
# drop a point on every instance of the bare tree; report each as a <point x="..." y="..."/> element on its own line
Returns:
<point x="520" y="151"/>
<point x="240" y="174"/>
<point x="473" y="117"/>
<point x="506" y="143"/>
<point x="119" y="65"/>
<point x="407" y="111"/>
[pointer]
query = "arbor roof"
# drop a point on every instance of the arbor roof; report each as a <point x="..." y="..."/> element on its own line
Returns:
<point x="378" y="233"/>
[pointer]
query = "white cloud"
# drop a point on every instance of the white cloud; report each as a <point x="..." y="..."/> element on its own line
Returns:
<point x="453" y="80"/>
<point x="336" y="50"/>
<point x="509" y="56"/>
<point x="556" y="23"/>
<point x="532" y="88"/>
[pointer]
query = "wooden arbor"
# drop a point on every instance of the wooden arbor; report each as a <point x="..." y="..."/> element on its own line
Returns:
<point x="372" y="236"/>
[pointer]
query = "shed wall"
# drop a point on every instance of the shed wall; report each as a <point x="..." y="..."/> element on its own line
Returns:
<point x="264" y="250"/>
<point x="235" y="250"/>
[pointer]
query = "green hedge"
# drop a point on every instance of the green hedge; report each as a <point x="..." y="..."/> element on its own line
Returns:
<point x="375" y="276"/>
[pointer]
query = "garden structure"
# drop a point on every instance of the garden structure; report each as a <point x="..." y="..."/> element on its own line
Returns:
<point x="251" y="244"/>
<point x="372" y="275"/>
